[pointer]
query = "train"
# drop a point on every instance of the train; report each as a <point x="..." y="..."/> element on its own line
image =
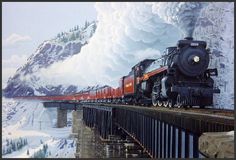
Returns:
<point x="180" y="78"/>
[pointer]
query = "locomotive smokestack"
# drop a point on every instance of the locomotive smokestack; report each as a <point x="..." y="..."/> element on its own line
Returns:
<point x="189" y="38"/>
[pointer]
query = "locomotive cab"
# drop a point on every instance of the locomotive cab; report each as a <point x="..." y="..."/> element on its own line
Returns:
<point x="132" y="82"/>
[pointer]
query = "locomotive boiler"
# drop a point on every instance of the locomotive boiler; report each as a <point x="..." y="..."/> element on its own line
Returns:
<point x="181" y="77"/>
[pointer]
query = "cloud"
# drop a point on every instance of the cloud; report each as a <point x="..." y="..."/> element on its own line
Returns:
<point x="15" y="61"/>
<point x="10" y="66"/>
<point x="15" y="38"/>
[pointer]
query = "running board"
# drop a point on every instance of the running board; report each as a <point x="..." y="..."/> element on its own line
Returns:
<point x="146" y="101"/>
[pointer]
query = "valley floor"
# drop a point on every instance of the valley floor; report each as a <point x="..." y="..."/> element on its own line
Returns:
<point x="28" y="130"/>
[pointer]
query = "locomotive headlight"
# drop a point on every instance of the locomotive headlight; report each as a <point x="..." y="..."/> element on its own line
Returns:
<point x="196" y="59"/>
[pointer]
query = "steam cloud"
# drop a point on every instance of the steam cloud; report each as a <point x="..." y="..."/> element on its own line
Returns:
<point x="181" y="14"/>
<point x="126" y="34"/>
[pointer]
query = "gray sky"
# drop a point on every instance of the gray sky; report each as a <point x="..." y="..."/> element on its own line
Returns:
<point x="27" y="24"/>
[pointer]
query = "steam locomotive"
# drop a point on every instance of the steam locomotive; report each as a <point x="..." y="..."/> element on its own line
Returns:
<point x="179" y="78"/>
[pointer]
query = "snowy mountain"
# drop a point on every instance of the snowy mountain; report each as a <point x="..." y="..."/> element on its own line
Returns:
<point x="64" y="45"/>
<point x="126" y="34"/>
<point x="30" y="122"/>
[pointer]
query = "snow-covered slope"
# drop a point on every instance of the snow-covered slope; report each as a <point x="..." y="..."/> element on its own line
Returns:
<point x="28" y="120"/>
<point x="216" y="26"/>
<point x="64" y="45"/>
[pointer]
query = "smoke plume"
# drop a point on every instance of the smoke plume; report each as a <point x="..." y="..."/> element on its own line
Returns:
<point x="126" y="34"/>
<point x="181" y="14"/>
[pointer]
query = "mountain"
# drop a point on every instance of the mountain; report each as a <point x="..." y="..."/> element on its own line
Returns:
<point x="63" y="46"/>
<point x="30" y="121"/>
<point x="215" y="25"/>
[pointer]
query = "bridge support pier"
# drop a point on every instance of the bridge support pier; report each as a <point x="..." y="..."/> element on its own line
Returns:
<point x="75" y="122"/>
<point x="61" y="117"/>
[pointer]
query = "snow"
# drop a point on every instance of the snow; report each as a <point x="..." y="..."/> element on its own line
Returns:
<point x="230" y="133"/>
<point x="218" y="32"/>
<point x="23" y="119"/>
<point x="130" y="32"/>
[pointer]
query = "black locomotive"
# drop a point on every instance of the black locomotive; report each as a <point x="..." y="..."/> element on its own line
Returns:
<point x="179" y="78"/>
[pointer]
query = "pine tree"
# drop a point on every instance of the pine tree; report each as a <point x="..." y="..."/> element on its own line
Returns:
<point x="45" y="147"/>
<point x="9" y="150"/>
<point x="14" y="146"/>
<point x="65" y="40"/>
<point x="25" y="142"/>
<point x="86" y="24"/>
<point x="72" y="38"/>
<point x="81" y="37"/>
<point x="77" y="34"/>
<point x="94" y="27"/>
<point x="3" y="150"/>
<point x="21" y="143"/>
<point x="42" y="153"/>
<point x="7" y="140"/>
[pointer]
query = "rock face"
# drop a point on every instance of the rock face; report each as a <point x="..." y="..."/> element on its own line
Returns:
<point x="217" y="144"/>
<point x="66" y="44"/>
<point x="216" y="26"/>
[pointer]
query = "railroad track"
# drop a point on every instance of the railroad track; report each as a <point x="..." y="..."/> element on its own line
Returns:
<point x="220" y="112"/>
<point x="215" y="111"/>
